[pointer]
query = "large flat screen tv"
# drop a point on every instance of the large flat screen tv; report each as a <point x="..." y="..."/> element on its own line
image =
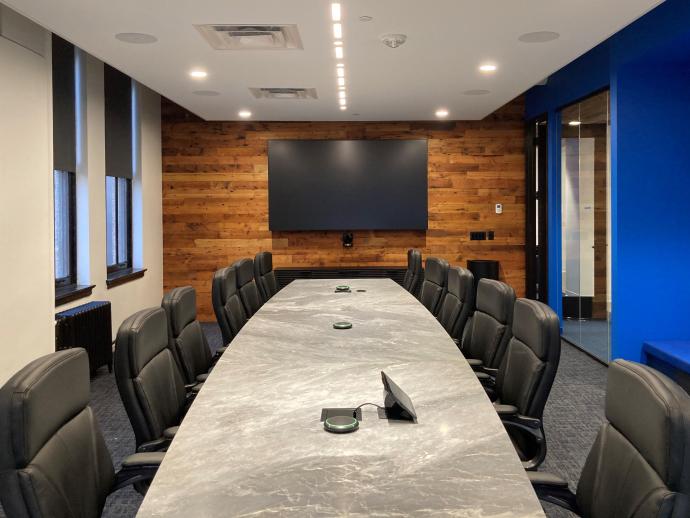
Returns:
<point x="347" y="185"/>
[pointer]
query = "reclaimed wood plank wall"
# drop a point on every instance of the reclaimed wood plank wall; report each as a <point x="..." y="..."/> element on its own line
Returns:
<point x="215" y="197"/>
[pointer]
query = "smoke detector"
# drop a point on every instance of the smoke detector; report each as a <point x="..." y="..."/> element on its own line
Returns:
<point x="284" y="93"/>
<point x="251" y="37"/>
<point x="393" y="40"/>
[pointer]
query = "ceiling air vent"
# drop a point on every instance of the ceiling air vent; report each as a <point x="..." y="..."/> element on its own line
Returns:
<point x="251" y="37"/>
<point x="284" y="93"/>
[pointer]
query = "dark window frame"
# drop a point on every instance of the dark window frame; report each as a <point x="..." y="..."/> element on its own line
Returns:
<point x="120" y="267"/>
<point x="71" y="279"/>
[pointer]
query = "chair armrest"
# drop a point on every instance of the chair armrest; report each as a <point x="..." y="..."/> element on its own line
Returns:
<point x="475" y="364"/>
<point x="169" y="433"/>
<point x="532" y="427"/>
<point x="491" y="372"/>
<point x="197" y="388"/>
<point x="201" y="378"/>
<point x="505" y="410"/>
<point x="138" y="468"/>
<point x="553" y="489"/>
<point x="157" y="445"/>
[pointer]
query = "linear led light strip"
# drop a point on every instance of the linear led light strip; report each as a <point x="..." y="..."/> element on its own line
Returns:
<point x="336" y="15"/>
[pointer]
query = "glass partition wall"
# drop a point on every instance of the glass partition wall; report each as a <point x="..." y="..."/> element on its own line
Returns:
<point x="585" y="206"/>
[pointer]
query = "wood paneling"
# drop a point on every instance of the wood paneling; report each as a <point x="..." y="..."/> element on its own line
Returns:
<point x="215" y="197"/>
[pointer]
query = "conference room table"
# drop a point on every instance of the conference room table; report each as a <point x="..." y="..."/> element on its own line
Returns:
<point x="252" y="443"/>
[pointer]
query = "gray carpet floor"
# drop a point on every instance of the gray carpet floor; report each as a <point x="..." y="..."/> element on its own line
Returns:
<point x="572" y="418"/>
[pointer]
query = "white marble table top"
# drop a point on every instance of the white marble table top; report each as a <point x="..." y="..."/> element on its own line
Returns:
<point x="252" y="443"/>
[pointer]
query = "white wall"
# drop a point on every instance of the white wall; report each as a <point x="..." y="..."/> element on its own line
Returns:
<point x="26" y="205"/>
<point x="27" y="307"/>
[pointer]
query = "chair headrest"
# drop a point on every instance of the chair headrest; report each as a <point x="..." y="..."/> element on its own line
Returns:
<point x="460" y="283"/>
<point x="653" y="413"/>
<point x="141" y="337"/>
<point x="226" y="281"/>
<point x="436" y="271"/>
<point x="264" y="262"/>
<point x="37" y="401"/>
<point x="497" y="299"/>
<point x="414" y="260"/>
<point x="180" y="307"/>
<point x="536" y="325"/>
<point x="245" y="271"/>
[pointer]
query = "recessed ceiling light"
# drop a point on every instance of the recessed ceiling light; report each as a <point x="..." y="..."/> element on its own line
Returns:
<point x="343" y="108"/>
<point x="442" y="113"/>
<point x="342" y="94"/>
<point x="341" y="81"/>
<point x="245" y="114"/>
<point x="539" y="37"/>
<point x="337" y="31"/>
<point x="393" y="40"/>
<point x="488" y="67"/>
<point x="365" y="18"/>
<point x="198" y="74"/>
<point x="206" y="93"/>
<point x="574" y="123"/>
<point x="340" y="72"/>
<point x="343" y="102"/>
<point x="339" y="53"/>
<point x="138" y="38"/>
<point x="335" y="12"/>
<point x="476" y="92"/>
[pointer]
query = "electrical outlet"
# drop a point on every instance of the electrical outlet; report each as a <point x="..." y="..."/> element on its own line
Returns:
<point x="499" y="208"/>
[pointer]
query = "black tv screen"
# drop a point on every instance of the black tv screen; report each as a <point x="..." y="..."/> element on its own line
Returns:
<point x="347" y="184"/>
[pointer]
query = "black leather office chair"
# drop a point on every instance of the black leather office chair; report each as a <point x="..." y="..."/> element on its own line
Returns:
<point x="227" y="304"/>
<point x="413" y="274"/>
<point x="458" y="304"/>
<point x="264" y="275"/>
<point x="639" y="465"/>
<point x="53" y="458"/>
<point x="488" y="332"/>
<point x="186" y="337"/>
<point x="525" y="377"/>
<point x="434" y="286"/>
<point x="148" y="379"/>
<point x="246" y="286"/>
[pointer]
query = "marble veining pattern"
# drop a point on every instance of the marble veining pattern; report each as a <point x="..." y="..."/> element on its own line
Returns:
<point x="252" y="443"/>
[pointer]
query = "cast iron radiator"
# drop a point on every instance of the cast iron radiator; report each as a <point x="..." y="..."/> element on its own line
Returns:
<point x="285" y="276"/>
<point x="88" y="326"/>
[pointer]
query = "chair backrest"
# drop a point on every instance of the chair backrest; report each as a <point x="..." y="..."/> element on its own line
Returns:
<point x="185" y="335"/>
<point x="246" y="286"/>
<point x="53" y="458"/>
<point x="529" y="365"/>
<point x="227" y="304"/>
<point x="435" y="284"/>
<point x="640" y="462"/>
<point x="413" y="274"/>
<point x="149" y="381"/>
<point x="490" y="332"/>
<point x="458" y="303"/>
<point x="264" y="275"/>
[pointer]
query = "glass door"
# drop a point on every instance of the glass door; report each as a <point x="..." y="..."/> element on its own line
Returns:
<point x="585" y="206"/>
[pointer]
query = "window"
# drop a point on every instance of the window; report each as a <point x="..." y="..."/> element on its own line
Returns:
<point x="64" y="163"/>
<point x="118" y="220"/>
<point x="64" y="187"/>
<point x="119" y="171"/>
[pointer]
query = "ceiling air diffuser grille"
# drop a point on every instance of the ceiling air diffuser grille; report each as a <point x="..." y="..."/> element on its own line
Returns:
<point x="251" y="37"/>
<point x="284" y="93"/>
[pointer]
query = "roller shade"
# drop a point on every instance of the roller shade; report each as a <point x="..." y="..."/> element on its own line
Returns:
<point x="118" y="123"/>
<point x="64" y="114"/>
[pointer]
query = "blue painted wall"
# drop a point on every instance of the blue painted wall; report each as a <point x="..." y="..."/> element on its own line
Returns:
<point x="647" y="68"/>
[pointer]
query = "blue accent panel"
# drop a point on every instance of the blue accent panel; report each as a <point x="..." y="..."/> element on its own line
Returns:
<point x="646" y="68"/>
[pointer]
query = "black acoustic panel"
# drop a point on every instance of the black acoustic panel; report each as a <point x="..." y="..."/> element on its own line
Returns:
<point x="286" y="275"/>
<point x="347" y="185"/>
<point x="64" y="106"/>
<point x="118" y="123"/>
